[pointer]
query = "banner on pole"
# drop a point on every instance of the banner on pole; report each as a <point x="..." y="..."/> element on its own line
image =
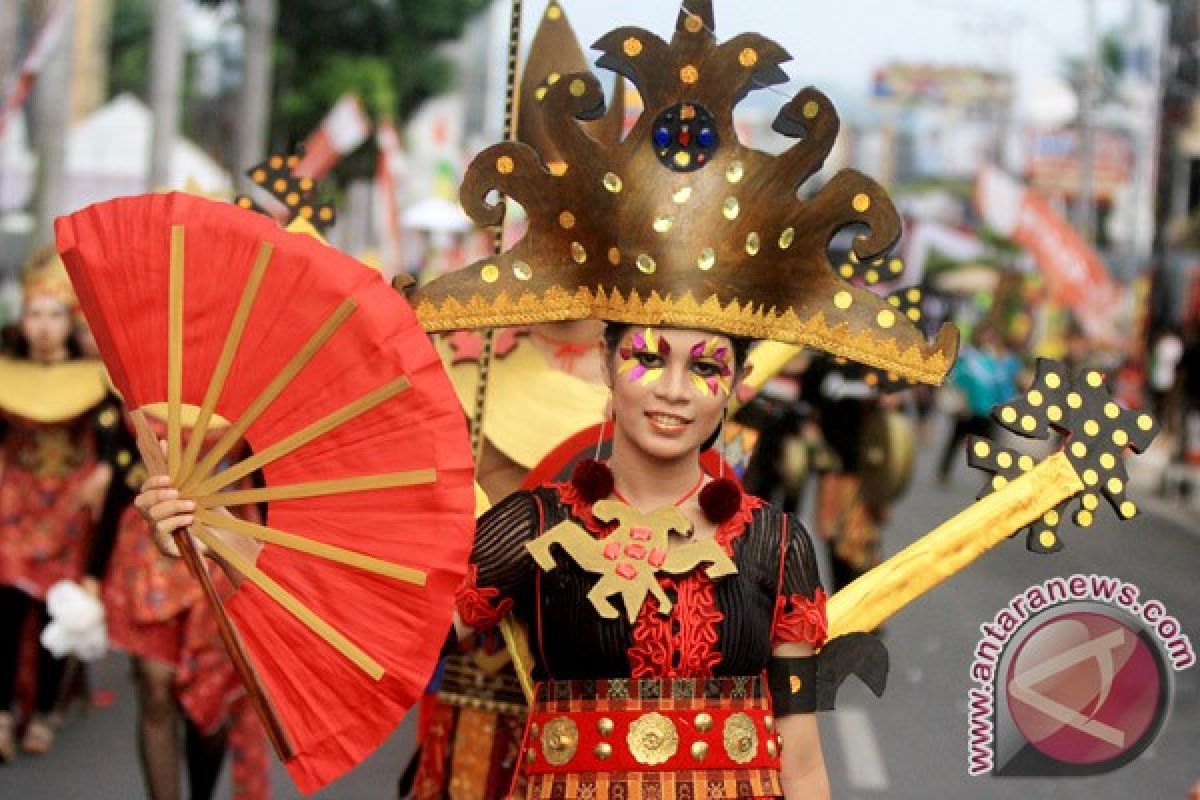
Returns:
<point x="343" y="129"/>
<point x="1075" y="274"/>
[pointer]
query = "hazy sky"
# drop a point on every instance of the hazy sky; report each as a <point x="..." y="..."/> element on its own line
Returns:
<point x="835" y="44"/>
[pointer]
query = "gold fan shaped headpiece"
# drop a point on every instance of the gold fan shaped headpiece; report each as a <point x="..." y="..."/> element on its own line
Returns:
<point x="680" y="224"/>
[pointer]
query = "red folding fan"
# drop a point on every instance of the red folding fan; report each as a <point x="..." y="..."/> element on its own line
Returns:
<point x="204" y="310"/>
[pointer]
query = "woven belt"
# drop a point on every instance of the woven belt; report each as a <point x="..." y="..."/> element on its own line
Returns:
<point x="653" y="726"/>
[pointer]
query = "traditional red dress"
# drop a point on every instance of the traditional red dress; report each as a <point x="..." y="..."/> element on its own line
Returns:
<point x="671" y="706"/>
<point x="156" y="610"/>
<point x="48" y="449"/>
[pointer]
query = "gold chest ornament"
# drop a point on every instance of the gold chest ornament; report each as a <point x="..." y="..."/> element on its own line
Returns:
<point x="630" y="559"/>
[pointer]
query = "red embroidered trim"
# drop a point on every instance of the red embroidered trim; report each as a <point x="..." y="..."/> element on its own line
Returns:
<point x="735" y="526"/>
<point x="480" y="608"/>
<point x="658" y="651"/>
<point x="800" y="619"/>
<point x="581" y="508"/>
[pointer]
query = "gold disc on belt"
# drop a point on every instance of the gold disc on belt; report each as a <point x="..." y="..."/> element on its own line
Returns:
<point x="652" y="739"/>
<point x="741" y="738"/>
<point x="560" y="740"/>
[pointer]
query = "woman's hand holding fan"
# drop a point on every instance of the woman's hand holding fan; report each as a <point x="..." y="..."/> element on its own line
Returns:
<point x="212" y="318"/>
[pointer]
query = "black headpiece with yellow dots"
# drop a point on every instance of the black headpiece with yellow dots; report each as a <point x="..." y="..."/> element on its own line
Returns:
<point x="678" y="223"/>
<point x="296" y="192"/>
<point x="1096" y="430"/>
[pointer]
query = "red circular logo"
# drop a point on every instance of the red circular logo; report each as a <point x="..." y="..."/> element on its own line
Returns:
<point x="1085" y="688"/>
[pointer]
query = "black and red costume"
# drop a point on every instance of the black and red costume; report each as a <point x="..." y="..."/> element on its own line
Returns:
<point x="676" y="701"/>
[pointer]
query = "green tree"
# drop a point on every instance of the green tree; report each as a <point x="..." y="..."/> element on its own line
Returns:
<point x="385" y="51"/>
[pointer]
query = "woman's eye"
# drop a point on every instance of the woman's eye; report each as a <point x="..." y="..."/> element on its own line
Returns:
<point x="648" y="359"/>
<point x="706" y="369"/>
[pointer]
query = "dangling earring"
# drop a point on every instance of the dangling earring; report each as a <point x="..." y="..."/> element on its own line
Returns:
<point x="591" y="477"/>
<point x="609" y="419"/>
<point x="722" y="498"/>
<point x="721" y="442"/>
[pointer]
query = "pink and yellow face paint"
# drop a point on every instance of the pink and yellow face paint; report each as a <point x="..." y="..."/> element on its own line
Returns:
<point x="642" y="344"/>
<point x="714" y="354"/>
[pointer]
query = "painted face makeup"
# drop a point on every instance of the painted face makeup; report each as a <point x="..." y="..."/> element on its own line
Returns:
<point x="645" y="358"/>
<point x="710" y="370"/>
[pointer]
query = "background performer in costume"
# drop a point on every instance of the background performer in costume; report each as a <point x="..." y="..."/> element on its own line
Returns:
<point x="156" y="612"/>
<point x="52" y="423"/>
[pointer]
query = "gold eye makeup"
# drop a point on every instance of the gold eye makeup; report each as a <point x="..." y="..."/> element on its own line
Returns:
<point x="644" y="359"/>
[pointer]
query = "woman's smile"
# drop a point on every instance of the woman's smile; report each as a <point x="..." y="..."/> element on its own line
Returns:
<point x="666" y="423"/>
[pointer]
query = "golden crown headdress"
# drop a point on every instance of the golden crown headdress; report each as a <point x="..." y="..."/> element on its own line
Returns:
<point x="45" y="274"/>
<point x="679" y="224"/>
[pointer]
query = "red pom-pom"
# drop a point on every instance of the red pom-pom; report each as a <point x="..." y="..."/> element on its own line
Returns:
<point x="593" y="480"/>
<point x="720" y="500"/>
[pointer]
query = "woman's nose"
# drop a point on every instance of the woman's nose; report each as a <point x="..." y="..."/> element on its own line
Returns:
<point x="672" y="386"/>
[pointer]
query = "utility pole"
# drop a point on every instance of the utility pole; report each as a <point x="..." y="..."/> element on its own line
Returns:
<point x="9" y="19"/>
<point x="8" y="42"/>
<point x="51" y="116"/>
<point x="1085" y="200"/>
<point x="254" y="116"/>
<point x="166" y="78"/>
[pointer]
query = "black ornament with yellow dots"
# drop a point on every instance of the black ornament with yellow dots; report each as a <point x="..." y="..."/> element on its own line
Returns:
<point x="277" y="176"/>
<point x="906" y="301"/>
<point x="1095" y="430"/>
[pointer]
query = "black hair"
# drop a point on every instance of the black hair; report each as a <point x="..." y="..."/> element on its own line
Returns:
<point x="14" y="344"/>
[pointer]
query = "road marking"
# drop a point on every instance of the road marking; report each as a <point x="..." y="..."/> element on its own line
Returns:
<point x="860" y="750"/>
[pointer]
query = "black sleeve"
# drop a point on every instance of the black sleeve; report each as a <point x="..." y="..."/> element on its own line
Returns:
<point x="501" y="571"/>
<point x="104" y="538"/>
<point x="108" y="427"/>
<point x="800" y="573"/>
<point x="800" y="606"/>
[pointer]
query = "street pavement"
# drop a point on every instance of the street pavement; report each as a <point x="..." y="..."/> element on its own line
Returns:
<point x="909" y="744"/>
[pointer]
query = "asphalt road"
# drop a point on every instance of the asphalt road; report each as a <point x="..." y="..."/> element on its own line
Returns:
<point x="910" y="744"/>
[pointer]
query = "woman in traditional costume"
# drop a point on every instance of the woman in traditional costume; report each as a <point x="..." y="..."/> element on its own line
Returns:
<point x="156" y="612"/>
<point x="673" y="618"/>
<point x="53" y="421"/>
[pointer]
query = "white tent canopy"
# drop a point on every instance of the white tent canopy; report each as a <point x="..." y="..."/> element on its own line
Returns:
<point x="108" y="156"/>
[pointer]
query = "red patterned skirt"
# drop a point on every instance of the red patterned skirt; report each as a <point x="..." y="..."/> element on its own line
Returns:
<point x="668" y="739"/>
<point x="148" y="597"/>
<point x="42" y="539"/>
<point x="156" y="610"/>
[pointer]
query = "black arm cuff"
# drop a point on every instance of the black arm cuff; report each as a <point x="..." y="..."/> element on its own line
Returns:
<point x="793" y="684"/>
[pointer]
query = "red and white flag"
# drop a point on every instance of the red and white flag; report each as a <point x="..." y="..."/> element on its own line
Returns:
<point x="344" y="128"/>
<point x="1075" y="274"/>
<point x="44" y="43"/>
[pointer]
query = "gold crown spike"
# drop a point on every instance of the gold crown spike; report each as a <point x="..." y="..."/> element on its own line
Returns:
<point x="1096" y="433"/>
<point x="678" y="223"/>
<point x="295" y="192"/>
<point x="555" y="52"/>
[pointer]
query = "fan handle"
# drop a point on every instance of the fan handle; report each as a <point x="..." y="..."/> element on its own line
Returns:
<point x="148" y="447"/>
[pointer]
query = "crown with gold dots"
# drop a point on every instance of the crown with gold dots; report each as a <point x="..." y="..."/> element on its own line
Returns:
<point x="679" y="224"/>
<point x="276" y="175"/>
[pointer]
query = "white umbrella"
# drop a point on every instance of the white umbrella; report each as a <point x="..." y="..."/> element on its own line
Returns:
<point x="436" y="215"/>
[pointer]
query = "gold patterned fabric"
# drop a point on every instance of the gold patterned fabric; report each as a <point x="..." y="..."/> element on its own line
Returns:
<point x="670" y="739"/>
